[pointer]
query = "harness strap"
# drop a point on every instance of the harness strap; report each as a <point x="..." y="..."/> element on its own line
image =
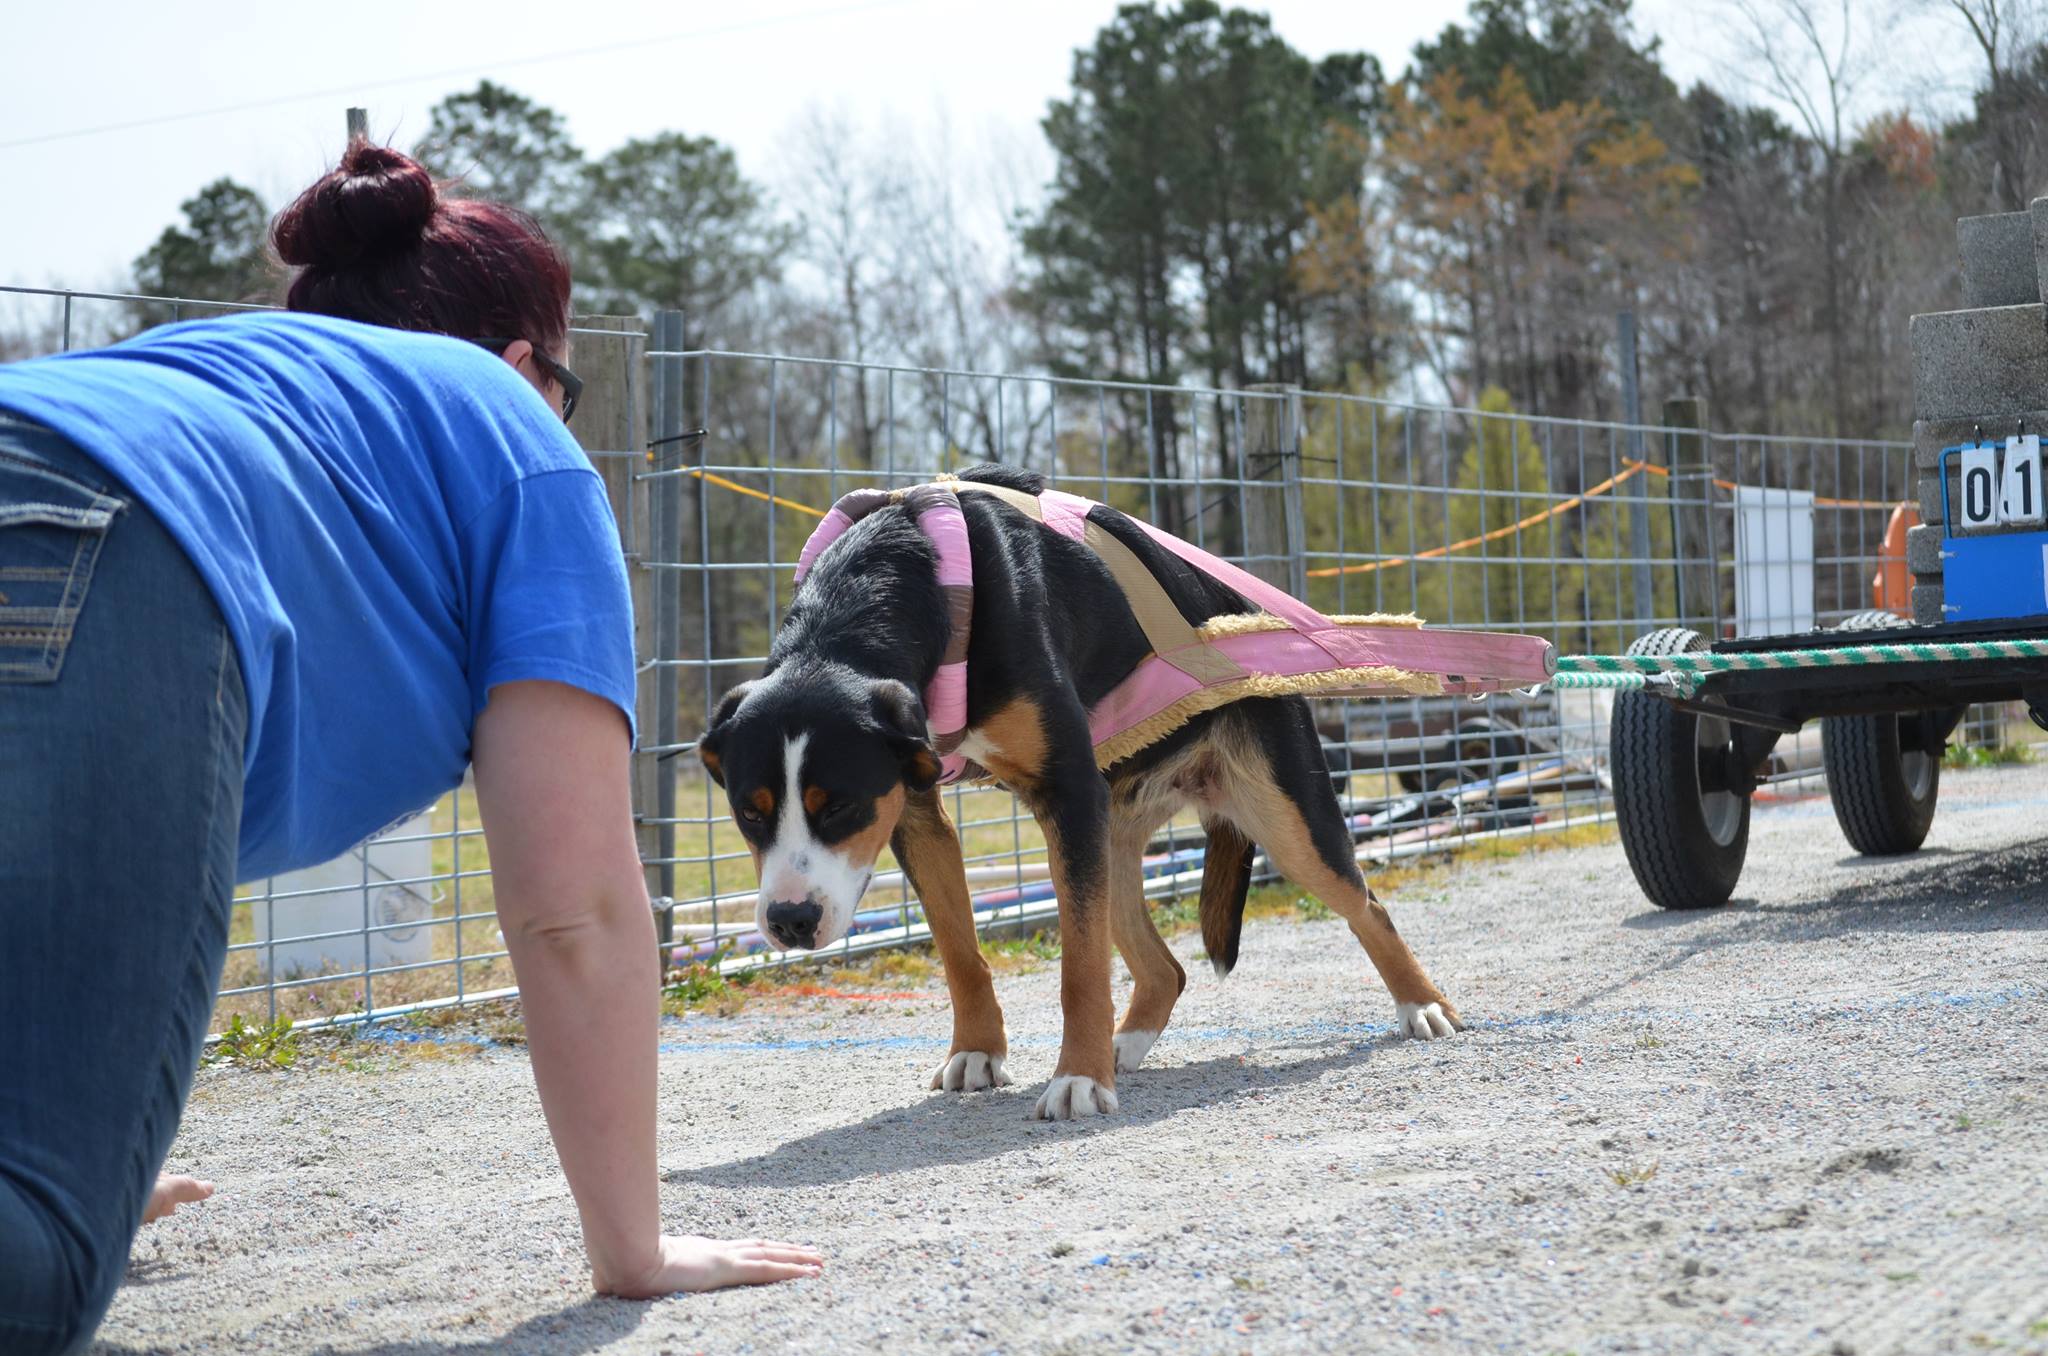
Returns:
<point x="936" y="511"/>
<point x="1170" y="634"/>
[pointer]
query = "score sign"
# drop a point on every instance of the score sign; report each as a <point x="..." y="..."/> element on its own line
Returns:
<point x="2019" y="497"/>
<point x="1992" y="496"/>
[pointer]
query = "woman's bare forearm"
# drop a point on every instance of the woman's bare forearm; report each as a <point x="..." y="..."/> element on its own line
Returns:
<point x="590" y="989"/>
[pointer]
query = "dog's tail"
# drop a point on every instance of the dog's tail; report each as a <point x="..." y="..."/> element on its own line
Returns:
<point x="1226" y="878"/>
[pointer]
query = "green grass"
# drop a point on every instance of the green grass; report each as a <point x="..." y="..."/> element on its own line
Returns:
<point x="1964" y="757"/>
<point x="252" y="1045"/>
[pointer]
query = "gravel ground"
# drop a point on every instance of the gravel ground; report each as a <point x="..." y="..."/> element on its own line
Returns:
<point x="1810" y="1122"/>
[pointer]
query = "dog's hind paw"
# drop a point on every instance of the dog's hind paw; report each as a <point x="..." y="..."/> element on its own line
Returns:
<point x="1131" y="1047"/>
<point x="1069" y="1097"/>
<point x="1425" y="1021"/>
<point x="970" y="1071"/>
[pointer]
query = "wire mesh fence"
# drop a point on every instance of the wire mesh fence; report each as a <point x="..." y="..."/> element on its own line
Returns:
<point x="719" y="464"/>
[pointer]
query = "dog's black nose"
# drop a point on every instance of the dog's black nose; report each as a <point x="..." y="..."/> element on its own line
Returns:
<point x="794" y="924"/>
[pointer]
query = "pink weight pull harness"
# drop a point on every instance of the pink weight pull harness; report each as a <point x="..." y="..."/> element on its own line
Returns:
<point x="1286" y="648"/>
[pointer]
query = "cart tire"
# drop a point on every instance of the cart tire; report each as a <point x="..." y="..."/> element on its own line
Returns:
<point x="1883" y="795"/>
<point x="1685" y="842"/>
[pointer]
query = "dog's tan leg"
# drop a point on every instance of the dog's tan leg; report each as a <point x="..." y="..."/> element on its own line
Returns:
<point x="929" y="850"/>
<point x="1043" y="754"/>
<point x="1084" y="1080"/>
<point x="1311" y="847"/>
<point x="1156" y="977"/>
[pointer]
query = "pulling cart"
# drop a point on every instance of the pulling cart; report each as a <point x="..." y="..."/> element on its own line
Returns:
<point x="1685" y="765"/>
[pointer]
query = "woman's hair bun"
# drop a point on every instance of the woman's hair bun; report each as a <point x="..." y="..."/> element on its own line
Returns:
<point x="375" y="201"/>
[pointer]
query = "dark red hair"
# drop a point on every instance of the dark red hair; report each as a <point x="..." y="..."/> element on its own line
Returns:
<point x="374" y="240"/>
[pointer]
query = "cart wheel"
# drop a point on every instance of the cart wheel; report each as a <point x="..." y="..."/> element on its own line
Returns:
<point x="1883" y="793"/>
<point x="1683" y="825"/>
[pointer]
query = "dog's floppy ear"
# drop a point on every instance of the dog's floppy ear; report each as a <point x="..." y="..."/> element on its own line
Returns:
<point x="900" y="714"/>
<point x="708" y="746"/>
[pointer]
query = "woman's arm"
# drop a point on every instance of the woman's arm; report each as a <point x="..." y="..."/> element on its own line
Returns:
<point x="552" y="785"/>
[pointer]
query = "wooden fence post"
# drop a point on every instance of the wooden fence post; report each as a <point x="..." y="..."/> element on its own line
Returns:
<point x="611" y="425"/>
<point x="1275" y="527"/>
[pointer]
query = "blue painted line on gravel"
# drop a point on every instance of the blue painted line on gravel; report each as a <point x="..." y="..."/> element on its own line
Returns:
<point x="1327" y="1031"/>
<point x="1270" y="1035"/>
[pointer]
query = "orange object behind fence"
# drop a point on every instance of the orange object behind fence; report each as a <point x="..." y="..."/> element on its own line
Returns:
<point x="1891" y="588"/>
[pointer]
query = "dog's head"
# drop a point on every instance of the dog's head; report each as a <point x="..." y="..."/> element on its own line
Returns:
<point x="816" y="766"/>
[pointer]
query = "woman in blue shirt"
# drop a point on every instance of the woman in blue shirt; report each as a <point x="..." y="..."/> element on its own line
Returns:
<point x="269" y="584"/>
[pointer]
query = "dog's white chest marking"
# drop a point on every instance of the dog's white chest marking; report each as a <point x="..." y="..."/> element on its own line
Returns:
<point x="978" y="747"/>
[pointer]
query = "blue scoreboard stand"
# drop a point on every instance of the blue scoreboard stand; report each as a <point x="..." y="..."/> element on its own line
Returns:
<point x="1990" y="576"/>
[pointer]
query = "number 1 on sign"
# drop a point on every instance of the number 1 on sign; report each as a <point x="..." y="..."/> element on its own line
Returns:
<point x="2019" y="499"/>
<point x="1980" y="487"/>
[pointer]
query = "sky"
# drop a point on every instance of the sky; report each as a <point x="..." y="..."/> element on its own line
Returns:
<point x="185" y="93"/>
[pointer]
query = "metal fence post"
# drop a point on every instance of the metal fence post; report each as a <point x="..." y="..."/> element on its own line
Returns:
<point x="358" y="123"/>
<point x="665" y="519"/>
<point x="1692" y="485"/>
<point x="1638" y="485"/>
<point x="1275" y="530"/>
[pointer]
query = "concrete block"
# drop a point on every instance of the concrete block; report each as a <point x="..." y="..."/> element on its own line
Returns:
<point x="2038" y="212"/>
<point x="1923" y="550"/>
<point x="1927" y="604"/>
<point x="1998" y="259"/>
<point x="1930" y="499"/>
<point x="1980" y="364"/>
<point x="1930" y="436"/>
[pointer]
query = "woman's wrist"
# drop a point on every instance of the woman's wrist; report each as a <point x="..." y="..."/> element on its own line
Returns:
<point x="626" y="1269"/>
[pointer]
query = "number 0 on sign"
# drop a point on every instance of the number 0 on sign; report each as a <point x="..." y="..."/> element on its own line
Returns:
<point x="1979" y="508"/>
<point x="2019" y="499"/>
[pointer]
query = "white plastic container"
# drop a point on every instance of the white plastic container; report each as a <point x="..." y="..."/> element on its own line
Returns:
<point x="397" y="893"/>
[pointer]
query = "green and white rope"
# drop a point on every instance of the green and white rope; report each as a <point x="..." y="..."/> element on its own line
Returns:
<point x="1683" y="672"/>
<point x="1626" y="682"/>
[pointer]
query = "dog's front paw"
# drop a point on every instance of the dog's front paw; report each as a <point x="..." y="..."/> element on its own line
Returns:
<point x="1427" y="1021"/>
<point x="970" y="1071"/>
<point x="1131" y="1047"/>
<point x="1069" y="1097"/>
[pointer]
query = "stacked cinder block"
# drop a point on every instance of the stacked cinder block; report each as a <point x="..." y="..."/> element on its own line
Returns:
<point x="1978" y="373"/>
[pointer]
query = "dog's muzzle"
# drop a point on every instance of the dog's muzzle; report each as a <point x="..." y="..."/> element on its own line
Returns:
<point x="794" y="924"/>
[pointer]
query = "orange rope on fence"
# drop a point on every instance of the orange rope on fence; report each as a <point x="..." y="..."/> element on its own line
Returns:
<point x="1818" y="501"/>
<point x="776" y="499"/>
<point x="1435" y="552"/>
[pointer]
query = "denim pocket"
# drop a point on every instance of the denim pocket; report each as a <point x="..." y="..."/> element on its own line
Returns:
<point x="51" y="530"/>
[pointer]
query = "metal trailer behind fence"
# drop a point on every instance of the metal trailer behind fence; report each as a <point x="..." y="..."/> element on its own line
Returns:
<point x="718" y="463"/>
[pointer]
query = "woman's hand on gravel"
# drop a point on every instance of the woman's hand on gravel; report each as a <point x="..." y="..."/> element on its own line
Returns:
<point x="692" y="1263"/>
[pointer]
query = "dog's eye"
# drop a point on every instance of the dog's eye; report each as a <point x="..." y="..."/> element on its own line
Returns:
<point x="751" y="815"/>
<point x="833" y="810"/>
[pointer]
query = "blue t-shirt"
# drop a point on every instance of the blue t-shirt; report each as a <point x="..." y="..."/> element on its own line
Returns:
<point x="391" y="523"/>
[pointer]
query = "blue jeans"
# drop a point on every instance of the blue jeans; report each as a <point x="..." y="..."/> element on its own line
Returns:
<point x="122" y="721"/>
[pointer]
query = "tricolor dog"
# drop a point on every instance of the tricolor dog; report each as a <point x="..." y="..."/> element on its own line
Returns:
<point x="890" y="672"/>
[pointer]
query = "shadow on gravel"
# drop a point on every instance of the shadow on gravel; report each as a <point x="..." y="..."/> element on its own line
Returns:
<point x="588" y="1325"/>
<point x="950" y="1129"/>
<point x="2001" y="890"/>
<point x="151" y="1271"/>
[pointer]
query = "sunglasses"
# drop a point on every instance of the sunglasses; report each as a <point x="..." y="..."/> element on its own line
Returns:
<point x="571" y="384"/>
